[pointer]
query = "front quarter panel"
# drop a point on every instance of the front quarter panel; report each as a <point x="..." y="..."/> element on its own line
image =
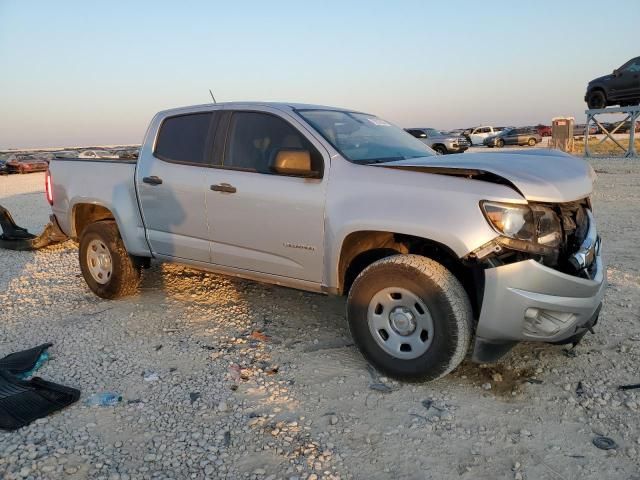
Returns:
<point x="440" y="208"/>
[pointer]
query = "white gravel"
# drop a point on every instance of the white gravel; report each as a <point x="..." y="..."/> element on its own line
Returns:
<point x="232" y="403"/>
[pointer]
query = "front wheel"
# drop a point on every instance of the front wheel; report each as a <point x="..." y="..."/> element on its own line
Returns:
<point x="108" y="269"/>
<point x="440" y="149"/>
<point x="532" y="142"/>
<point x="596" y="99"/>
<point x="410" y="317"/>
<point x="500" y="143"/>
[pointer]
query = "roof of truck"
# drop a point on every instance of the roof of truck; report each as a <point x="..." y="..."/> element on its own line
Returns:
<point x="278" y="105"/>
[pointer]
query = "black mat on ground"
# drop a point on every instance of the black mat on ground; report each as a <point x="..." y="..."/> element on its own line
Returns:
<point x="22" y="402"/>
<point x="21" y="362"/>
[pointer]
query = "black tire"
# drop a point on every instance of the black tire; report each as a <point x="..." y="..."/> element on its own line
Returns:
<point x="440" y="149"/>
<point x="447" y="303"/>
<point x="596" y="99"/>
<point x="125" y="277"/>
<point x="500" y="143"/>
<point x="532" y="142"/>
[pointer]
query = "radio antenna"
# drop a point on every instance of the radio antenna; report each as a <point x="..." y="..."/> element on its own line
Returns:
<point x="212" y="97"/>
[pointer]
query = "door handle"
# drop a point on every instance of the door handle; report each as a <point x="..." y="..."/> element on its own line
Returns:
<point x="152" y="180"/>
<point x="223" y="187"/>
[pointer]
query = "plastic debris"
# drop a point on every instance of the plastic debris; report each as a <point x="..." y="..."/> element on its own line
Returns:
<point x="629" y="387"/>
<point x="44" y="356"/>
<point x="381" y="387"/>
<point x="150" y="376"/>
<point x="257" y="335"/>
<point x="604" y="443"/>
<point x="106" y="399"/>
<point x="193" y="396"/>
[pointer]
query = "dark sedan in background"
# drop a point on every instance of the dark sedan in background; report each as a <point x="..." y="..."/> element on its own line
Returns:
<point x="513" y="136"/>
<point x="622" y="87"/>
<point x="3" y="168"/>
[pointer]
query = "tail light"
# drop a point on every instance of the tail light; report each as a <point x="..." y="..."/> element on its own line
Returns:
<point x="47" y="188"/>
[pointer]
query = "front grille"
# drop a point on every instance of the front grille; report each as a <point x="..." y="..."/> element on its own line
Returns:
<point x="575" y="224"/>
<point x="575" y="227"/>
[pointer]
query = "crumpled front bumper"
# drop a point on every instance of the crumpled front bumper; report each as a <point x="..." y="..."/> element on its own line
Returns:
<point x="527" y="301"/>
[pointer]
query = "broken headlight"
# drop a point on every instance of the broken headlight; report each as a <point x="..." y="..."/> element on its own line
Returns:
<point x="536" y="224"/>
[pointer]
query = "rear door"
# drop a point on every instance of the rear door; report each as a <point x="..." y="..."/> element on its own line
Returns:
<point x="172" y="186"/>
<point x="261" y="221"/>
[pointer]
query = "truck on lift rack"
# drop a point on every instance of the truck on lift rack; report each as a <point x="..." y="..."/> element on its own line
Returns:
<point x="432" y="254"/>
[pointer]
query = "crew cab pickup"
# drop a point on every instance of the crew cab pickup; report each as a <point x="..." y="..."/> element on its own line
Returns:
<point x="432" y="254"/>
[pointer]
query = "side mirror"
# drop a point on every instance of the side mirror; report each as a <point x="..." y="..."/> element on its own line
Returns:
<point x="616" y="72"/>
<point x="295" y="162"/>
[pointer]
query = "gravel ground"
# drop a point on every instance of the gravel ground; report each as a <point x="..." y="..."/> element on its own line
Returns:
<point x="257" y="381"/>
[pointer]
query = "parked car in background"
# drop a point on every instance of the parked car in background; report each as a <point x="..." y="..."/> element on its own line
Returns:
<point x="624" y="128"/>
<point x="514" y="136"/>
<point x="476" y="135"/>
<point x="543" y="130"/>
<point x="96" y="154"/>
<point x="622" y="87"/>
<point x="441" y="142"/>
<point x="579" y="129"/>
<point x="21" y="163"/>
<point x="4" y="170"/>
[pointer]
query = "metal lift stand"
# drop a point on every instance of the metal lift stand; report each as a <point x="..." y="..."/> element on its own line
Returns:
<point x="633" y="113"/>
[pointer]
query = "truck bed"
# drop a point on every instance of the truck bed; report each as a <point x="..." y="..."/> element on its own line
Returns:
<point x="105" y="182"/>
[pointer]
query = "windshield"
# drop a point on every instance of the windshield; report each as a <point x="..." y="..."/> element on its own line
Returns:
<point x="435" y="133"/>
<point x="363" y="138"/>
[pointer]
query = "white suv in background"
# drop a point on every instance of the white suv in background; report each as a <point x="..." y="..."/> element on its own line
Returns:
<point x="477" y="135"/>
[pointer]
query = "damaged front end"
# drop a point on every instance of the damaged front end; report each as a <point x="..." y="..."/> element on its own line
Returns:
<point x="560" y="236"/>
<point x="544" y="277"/>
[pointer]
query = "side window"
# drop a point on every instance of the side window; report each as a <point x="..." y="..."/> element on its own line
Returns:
<point x="485" y="130"/>
<point x="184" y="139"/>
<point x="254" y="138"/>
<point x="417" y="133"/>
<point x="633" y="67"/>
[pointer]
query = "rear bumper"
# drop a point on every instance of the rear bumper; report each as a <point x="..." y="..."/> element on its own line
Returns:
<point x="526" y="301"/>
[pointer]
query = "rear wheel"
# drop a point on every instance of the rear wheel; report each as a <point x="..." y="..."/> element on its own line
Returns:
<point x="596" y="99"/>
<point x="410" y="317"/>
<point x="500" y="143"/>
<point x="108" y="269"/>
<point x="532" y="142"/>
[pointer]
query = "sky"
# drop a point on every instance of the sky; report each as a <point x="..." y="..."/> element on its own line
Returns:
<point x="85" y="73"/>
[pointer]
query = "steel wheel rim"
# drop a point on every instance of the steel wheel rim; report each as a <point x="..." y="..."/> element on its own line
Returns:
<point x="400" y="323"/>
<point x="99" y="261"/>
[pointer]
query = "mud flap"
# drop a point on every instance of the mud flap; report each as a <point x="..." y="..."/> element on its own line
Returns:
<point x="17" y="238"/>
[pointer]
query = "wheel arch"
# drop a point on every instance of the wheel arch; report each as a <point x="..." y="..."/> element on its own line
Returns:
<point x="362" y="248"/>
<point x="84" y="214"/>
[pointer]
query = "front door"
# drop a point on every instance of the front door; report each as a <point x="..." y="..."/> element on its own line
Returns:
<point x="172" y="187"/>
<point x="626" y="85"/>
<point x="261" y="221"/>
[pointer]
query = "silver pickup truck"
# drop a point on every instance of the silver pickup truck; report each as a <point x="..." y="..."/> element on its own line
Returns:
<point x="433" y="254"/>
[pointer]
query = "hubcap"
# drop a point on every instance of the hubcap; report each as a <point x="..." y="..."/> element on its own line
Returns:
<point x="400" y="323"/>
<point x="99" y="261"/>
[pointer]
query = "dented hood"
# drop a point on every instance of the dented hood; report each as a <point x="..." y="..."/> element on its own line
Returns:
<point x="539" y="175"/>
